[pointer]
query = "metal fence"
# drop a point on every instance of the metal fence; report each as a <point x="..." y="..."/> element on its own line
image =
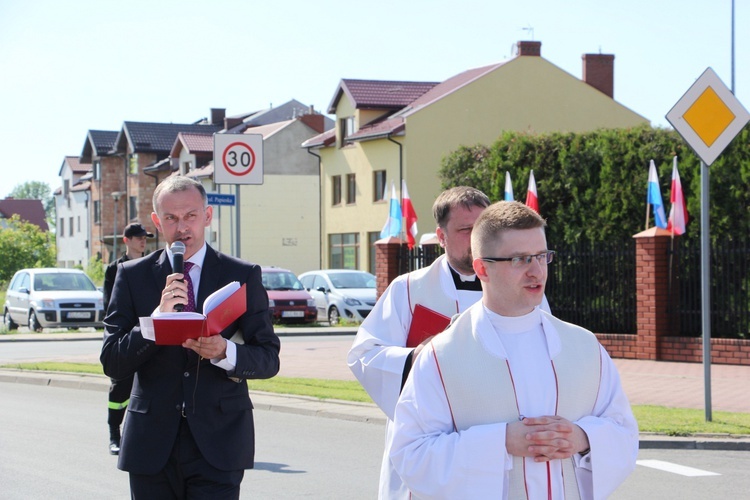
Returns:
<point x="593" y="285"/>
<point x="417" y="258"/>
<point x="730" y="288"/>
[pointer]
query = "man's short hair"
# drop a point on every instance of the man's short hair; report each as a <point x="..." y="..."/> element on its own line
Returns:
<point x="500" y="217"/>
<point x="175" y="184"/>
<point x="465" y="196"/>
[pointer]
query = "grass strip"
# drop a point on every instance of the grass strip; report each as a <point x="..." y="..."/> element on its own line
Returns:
<point x="657" y="419"/>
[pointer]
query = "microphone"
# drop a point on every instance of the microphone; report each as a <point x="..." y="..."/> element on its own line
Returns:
<point x="178" y="264"/>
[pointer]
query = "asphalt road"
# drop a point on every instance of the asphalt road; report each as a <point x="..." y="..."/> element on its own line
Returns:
<point x="54" y="445"/>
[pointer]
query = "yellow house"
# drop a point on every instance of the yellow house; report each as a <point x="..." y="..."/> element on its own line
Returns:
<point x="389" y="131"/>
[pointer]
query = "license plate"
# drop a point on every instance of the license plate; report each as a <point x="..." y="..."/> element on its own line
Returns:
<point x="292" y="314"/>
<point x="79" y="315"/>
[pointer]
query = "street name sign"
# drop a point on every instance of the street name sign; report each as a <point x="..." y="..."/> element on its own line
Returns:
<point x="220" y="199"/>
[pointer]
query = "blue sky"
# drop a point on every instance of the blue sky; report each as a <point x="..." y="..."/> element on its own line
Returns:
<point x="70" y="66"/>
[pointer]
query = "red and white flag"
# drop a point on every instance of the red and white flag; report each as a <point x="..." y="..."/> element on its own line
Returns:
<point x="678" y="216"/>
<point x="409" y="214"/>
<point x="532" y="200"/>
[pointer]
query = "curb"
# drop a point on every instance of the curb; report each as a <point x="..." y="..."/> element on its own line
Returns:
<point x="67" y="336"/>
<point x="357" y="412"/>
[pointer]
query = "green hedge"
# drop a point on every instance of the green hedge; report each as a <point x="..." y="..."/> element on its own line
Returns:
<point x="592" y="186"/>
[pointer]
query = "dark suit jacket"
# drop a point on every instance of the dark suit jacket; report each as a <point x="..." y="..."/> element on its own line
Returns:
<point x="218" y="409"/>
<point x="109" y="278"/>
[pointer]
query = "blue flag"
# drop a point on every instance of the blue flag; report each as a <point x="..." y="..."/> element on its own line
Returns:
<point x="654" y="197"/>
<point x="392" y="225"/>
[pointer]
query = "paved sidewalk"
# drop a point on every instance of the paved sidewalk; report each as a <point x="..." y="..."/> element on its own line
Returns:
<point x="679" y="385"/>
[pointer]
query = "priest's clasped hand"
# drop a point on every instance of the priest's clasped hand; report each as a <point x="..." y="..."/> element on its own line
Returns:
<point x="545" y="438"/>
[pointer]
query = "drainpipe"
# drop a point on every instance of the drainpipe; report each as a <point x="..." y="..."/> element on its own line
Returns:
<point x="400" y="164"/>
<point x="156" y="183"/>
<point x="320" y="209"/>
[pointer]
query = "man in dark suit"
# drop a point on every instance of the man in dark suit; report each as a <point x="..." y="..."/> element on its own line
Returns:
<point x="189" y="431"/>
<point x="134" y="238"/>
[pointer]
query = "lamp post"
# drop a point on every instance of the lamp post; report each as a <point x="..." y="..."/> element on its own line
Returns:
<point x="116" y="195"/>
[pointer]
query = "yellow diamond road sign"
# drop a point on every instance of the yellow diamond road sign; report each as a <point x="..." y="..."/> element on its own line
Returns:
<point x="708" y="116"/>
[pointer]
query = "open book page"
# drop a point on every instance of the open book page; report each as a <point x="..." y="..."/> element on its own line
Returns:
<point x="148" y="329"/>
<point x="220" y="296"/>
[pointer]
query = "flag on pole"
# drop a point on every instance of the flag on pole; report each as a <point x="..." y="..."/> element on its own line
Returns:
<point x="410" y="215"/>
<point x="678" y="216"/>
<point x="532" y="200"/>
<point x="392" y="226"/>
<point x="654" y="197"/>
<point x="508" y="187"/>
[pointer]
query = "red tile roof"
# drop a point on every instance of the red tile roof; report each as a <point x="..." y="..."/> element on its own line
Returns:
<point x="379" y="94"/>
<point x="28" y="210"/>
<point x="450" y="85"/>
<point x="321" y="140"/>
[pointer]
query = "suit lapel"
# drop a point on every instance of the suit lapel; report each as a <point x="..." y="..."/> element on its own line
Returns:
<point x="161" y="269"/>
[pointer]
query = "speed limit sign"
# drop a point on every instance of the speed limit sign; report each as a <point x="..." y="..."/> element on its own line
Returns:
<point x="238" y="159"/>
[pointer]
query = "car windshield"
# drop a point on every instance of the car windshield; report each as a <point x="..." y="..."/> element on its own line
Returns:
<point x="62" y="282"/>
<point x="281" y="281"/>
<point x="352" y="280"/>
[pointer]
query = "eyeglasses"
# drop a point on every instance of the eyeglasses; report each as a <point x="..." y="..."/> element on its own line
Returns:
<point x="524" y="260"/>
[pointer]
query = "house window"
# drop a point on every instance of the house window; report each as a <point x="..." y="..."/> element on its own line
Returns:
<point x="97" y="170"/>
<point x="97" y="212"/>
<point x="371" y="239"/>
<point x="62" y="227"/>
<point x="187" y="166"/>
<point x="79" y="223"/>
<point x="343" y="251"/>
<point x="134" y="164"/>
<point x="133" y="209"/>
<point x="346" y="126"/>
<point x="336" y="189"/>
<point x="378" y="183"/>
<point x="351" y="189"/>
<point x="70" y="226"/>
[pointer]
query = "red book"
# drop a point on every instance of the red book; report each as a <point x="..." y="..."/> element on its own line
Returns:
<point x="425" y="323"/>
<point x="221" y="308"/>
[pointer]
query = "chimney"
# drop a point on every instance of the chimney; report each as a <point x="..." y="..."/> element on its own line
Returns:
<point x="230" y="122"/>
<point x="599" y="72"/>
<point x="217" y="116"/>
<point x="315" y="121"/>
<point x="529" y="48"/>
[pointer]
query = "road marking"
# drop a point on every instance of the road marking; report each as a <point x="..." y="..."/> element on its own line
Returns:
<point x="675" y="468"/>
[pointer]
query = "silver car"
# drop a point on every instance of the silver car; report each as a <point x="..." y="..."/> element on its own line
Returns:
<point x="341" y="293"/>
<point x="52" y="298"/>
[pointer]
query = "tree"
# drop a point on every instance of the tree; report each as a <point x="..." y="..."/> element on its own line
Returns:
<point x="35" y="190"/>
<point x="23" y="245"/>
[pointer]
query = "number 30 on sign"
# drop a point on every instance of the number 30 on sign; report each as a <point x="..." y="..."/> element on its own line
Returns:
<point x="238" y="159"/>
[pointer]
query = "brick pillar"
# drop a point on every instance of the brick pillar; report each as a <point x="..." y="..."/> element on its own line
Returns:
<point x="653" y="311"/>
<point x="386" y="262"/>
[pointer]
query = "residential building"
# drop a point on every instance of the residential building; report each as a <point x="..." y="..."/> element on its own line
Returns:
<point x="72" y="200"/>
<point x="276" y="223"/>
<point x="126" y="165"/>
<point x="27" y="210"/>
<point x="390" y="131"/>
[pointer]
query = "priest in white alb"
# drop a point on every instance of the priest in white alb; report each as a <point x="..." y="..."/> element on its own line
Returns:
<point x="511" y="402"/>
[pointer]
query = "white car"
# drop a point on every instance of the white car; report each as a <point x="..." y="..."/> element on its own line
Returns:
<point x="341" y="293"/>
<point x="52" y="298"/>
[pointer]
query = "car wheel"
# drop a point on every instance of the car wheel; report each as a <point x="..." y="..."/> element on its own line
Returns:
<point x="34" y="325"/>
<point x="8" y="322"/>
<point x="333" y="316"/>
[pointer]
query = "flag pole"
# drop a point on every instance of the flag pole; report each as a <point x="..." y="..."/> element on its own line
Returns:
<point x="648" y="213"/>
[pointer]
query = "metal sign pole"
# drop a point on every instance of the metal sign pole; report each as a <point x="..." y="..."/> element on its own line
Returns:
<point x="706" y="288"/>
<point x="237" y="221"/>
